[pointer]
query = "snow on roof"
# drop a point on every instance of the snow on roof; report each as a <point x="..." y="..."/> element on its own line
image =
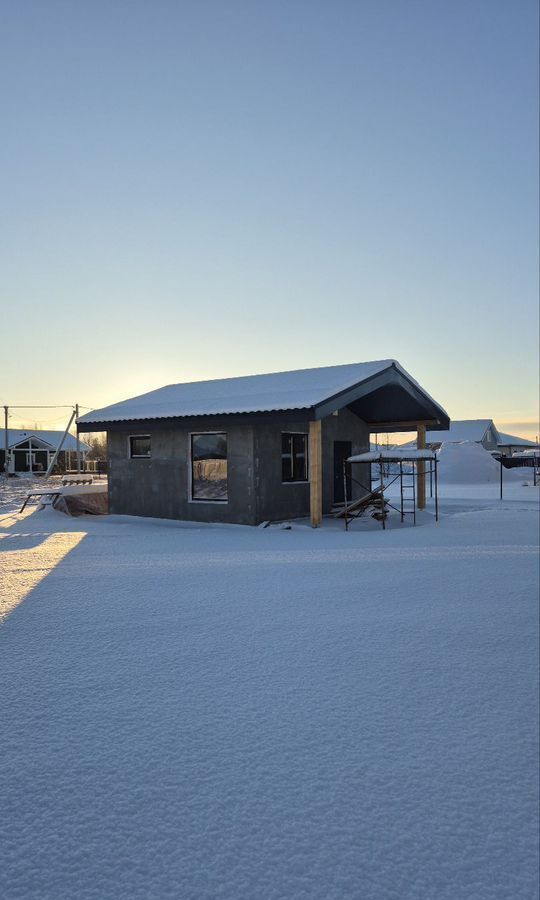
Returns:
<point x="511" y="440"/>
<point x="51" y="438"/>
<point x="300" y="389"/>
<point x="525" y="454"/>
<point x="391" y="455"/>
<point x="460" y="430"/>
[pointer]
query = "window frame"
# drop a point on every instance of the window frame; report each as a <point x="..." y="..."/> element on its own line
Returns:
<point x="131" y="455"/>
<point x="191" y="498"/>
<point x="305" y="480"/>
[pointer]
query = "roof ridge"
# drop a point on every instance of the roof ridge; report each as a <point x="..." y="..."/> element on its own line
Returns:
<point x="366" y="362"/>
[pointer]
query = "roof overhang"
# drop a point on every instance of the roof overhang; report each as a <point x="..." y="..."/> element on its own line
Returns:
<point x="37" y="443"/>
<point x="388" y="401"/>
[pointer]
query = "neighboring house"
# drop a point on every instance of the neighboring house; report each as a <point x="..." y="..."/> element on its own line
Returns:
<point x="480" y="431"/>
<point x="32" y="450"/>
<point x="256" y="448"/>
<point x="510" y="443"/>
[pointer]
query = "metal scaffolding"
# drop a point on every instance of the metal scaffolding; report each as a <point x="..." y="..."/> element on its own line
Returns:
<point x="377" y="498"/>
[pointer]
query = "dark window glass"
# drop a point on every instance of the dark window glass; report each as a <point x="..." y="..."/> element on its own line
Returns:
<point x="139" y="446"/>
<point x="294" y="457"/>
<point x="209" y="467"/>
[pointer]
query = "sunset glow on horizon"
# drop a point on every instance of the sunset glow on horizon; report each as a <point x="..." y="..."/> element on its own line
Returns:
<point x="197" y="191"/>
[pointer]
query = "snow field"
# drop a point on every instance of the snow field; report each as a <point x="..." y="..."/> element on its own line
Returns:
<point x="205" y="712"/>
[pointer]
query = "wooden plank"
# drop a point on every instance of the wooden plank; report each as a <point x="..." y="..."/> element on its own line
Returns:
<point x="315" y="472"/>
<point x="373" y="499"/>
<point x="421" y="466"/>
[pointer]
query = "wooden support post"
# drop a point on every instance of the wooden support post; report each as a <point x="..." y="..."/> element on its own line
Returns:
<point x="315" y="473"/>
<point x="383" y="514"/>
<point x="345" y="493"/>
<point x="436" y="494"/>
<point x="401" y="488"/>
<point x="421" y="466"/>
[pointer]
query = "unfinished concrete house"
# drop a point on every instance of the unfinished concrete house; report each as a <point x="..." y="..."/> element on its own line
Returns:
<point x="255" y="448"/>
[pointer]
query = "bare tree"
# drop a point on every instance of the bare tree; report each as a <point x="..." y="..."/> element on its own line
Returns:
<point x="97" y="441"/>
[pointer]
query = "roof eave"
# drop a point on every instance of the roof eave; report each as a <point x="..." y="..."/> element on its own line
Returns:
<point x="305" y="412"/>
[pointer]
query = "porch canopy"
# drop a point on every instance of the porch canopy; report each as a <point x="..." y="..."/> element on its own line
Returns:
<point x="396" y="455"/>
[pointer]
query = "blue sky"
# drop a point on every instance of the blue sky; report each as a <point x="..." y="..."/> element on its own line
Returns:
<point x="202" y="189"/>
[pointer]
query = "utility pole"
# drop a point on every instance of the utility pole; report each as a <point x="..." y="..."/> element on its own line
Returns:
<point x="6" y="444"/>
<point x="60" y="445"/>
<point x="78" y="441"/>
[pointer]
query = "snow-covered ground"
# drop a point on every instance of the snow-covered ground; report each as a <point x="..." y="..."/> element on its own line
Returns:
<point x="221" y="711"/>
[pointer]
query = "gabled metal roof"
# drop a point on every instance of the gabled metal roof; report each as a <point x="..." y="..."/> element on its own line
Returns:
<point x="320" y="390"/>
<point x="48" y="439"/>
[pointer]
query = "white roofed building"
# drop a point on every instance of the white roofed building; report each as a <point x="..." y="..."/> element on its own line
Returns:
<point x="479" y="431"/>
<point x="31" y="450"/>
<point x="511" y="443"/>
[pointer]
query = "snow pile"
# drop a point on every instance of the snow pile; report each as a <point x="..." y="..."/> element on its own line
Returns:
<point x="466" y="463"/>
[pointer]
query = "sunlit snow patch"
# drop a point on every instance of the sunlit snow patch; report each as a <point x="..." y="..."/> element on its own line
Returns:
<point x="21" y="570"/>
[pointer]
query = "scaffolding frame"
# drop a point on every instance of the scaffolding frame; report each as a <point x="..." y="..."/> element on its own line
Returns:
<point x="353" y="509"/>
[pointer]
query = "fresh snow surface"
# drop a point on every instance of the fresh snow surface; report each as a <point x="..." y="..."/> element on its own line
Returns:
<point x="300" y="389"/>
<point x="219" y="711"/>
<point x="396" y="454"/>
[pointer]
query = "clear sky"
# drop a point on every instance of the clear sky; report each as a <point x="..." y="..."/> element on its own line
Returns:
<point x="218" y="187"/>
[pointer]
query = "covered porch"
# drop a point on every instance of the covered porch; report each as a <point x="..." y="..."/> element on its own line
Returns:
<point x="31" y="455"/>
<point x="390" y="401"/>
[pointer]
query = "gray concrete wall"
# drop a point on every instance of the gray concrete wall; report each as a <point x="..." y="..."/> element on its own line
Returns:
<point x="160" y="486"/>
<point x="346" y="426"/>
<point x="277" y="500"/>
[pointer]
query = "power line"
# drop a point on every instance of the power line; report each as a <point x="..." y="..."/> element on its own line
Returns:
<point x="58" y="406"/>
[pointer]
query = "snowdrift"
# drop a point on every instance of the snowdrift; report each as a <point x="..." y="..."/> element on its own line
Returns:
<point x="466" y="463"/>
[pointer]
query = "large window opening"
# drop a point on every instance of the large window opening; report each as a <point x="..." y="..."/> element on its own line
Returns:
<point x="294" y="457"/>
<point x="209" y="467"/>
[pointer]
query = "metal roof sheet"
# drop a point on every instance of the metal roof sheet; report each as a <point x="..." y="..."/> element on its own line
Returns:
<point x="277" y="391"/>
